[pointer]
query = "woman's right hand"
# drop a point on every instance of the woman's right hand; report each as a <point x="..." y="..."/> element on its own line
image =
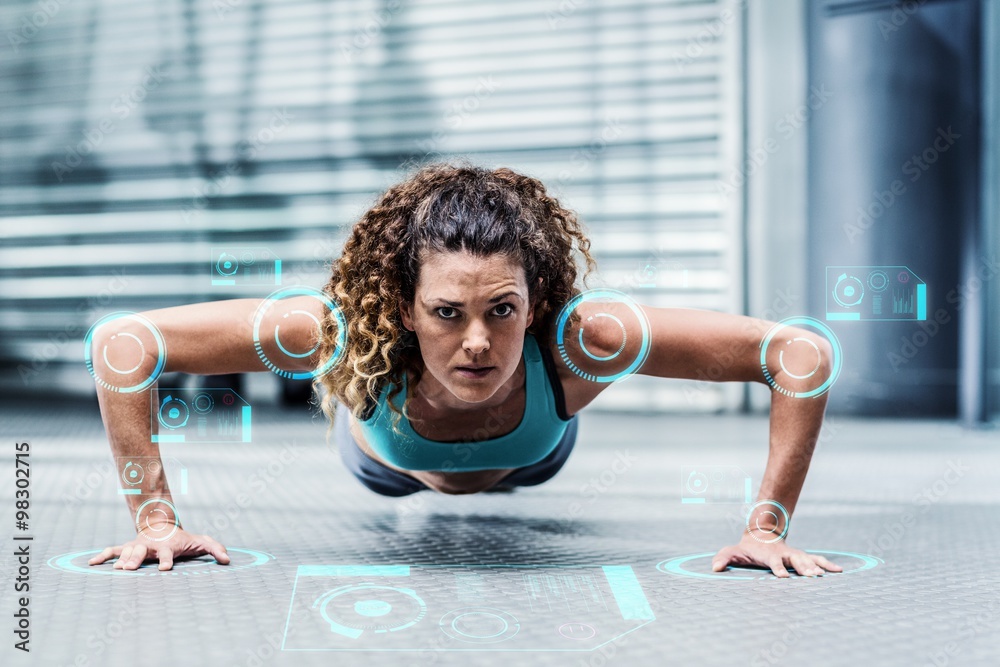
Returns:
<point x="180" y="545"/>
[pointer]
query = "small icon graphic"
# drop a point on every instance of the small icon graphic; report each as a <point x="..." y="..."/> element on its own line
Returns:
<point x="715" y="484"/>
<point x="245" y="265"/>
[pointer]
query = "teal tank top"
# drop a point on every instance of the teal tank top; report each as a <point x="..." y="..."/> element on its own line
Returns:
<point x="536" y="436"/>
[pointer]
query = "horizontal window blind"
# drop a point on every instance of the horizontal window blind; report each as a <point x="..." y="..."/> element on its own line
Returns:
<point x="138" y="138"/>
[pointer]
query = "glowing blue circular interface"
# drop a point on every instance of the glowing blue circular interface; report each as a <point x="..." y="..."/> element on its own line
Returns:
<point x="778" y="520"/>
<point x="680" y="567"/>
<point x="125" y="341"/>
<point x="239" y="559"/>
<point x="156" y="519"/>
<point x="275" y="333"/>
<point x="602" y="296"/>
<point x="823" y="384"/>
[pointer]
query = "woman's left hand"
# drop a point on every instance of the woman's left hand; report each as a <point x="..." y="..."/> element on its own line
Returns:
<point x="777" y="556"/>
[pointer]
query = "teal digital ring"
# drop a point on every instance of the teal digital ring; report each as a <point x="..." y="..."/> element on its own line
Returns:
<point x="838" y="357"/>
<point x="675" y="566"/>
<point x="139" y="520"/>
<point x="605" y="295"/>
<point x="784" y="514"/>
<point x="181" y="568"/>
<point x="341" y="343"/>
<point x="161" y="352"/>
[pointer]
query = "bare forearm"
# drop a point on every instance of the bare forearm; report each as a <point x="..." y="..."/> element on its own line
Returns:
<point x="129" y="429"/>
<point x="795" y="428"/>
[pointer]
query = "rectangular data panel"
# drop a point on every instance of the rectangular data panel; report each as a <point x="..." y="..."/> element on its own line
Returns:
<point x="245" y="265"/>
<point x="874" y="293"/>
<point x="463" y="608"/>
<point x="200" y="415"/>
<point x="715" y="484"/>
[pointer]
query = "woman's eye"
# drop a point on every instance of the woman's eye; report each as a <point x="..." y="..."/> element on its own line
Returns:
<point x="446" y="312"/>
<point x="506" y="308"/>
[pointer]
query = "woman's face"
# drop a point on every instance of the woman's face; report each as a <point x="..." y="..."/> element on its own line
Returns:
<point x="469" y="314"/>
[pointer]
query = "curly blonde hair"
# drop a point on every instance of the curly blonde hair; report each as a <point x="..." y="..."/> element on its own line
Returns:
<point x="441" y="207"/>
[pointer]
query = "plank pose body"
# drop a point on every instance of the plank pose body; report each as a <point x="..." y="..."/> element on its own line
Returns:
<point x="449" y="375"/>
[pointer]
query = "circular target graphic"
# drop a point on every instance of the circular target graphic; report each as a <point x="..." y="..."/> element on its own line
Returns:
<point x="128" y="345"/>
<point x="156" y="519"/>
<point x="878" y="281"/>
<point x="476" y="625"/>
<point x="203" y="403"/>
<point x="132" y="474"/>
<point x="821" y="382"/>
<point x="173" y="413"/>
<point x="239" y="559"/>
<point x="699" y="566"/>
<point x="697" y="482"/>
<point x="354" y="610"/>
<point x="271" y="332"/>
<point x="248" y="258"/>
<point x="610" y="307"/>
<point x="848" y="291"/>
<point x="227" y="265"/>
<point x="774" y="517"/>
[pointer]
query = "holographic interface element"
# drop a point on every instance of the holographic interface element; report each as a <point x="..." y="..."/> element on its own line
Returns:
<point x="715" y="484"/>
<point x="278" y="353"/>
<point x="767" y="521"/>
<point x="699" y="566"/>
<point x="245" y="265"/>
<point x="617" y="317"/>
<point x="240" y="559"/>
<point x="145" y="475"/>
<point x="157" y="520"/>
<point x="792" y="363"/>
<point x="874" y="293"/>
<point x="463" y="608"/>
<point x="126" y="340"/>
<point x="199" y="415"/>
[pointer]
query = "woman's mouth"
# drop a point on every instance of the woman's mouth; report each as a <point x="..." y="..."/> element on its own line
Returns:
<point x="474" y="372"/>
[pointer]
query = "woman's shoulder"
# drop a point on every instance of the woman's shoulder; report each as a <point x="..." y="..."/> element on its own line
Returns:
<point x="577" y="391"/>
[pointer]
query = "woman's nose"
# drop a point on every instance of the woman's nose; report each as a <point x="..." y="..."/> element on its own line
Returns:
<point x="476" y="339"/>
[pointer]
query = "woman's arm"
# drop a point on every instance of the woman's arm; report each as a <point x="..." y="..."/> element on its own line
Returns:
<point x="710" y="346"/>
<point x="207" y="338"/>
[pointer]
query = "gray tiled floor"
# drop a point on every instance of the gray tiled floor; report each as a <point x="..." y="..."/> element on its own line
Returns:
<point x="932" y="601"/>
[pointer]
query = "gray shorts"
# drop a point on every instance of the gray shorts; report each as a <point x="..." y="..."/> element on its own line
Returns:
<point x="389" y="482"/>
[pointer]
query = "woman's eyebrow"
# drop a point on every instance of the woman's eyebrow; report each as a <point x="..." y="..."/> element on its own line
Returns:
<point x="459" y="304"/>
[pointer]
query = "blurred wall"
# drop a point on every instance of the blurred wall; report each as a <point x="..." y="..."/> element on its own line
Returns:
<point x="894" y="180"/>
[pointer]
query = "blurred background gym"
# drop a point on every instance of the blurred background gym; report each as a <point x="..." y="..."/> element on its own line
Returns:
<point x="722" y="155"/>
